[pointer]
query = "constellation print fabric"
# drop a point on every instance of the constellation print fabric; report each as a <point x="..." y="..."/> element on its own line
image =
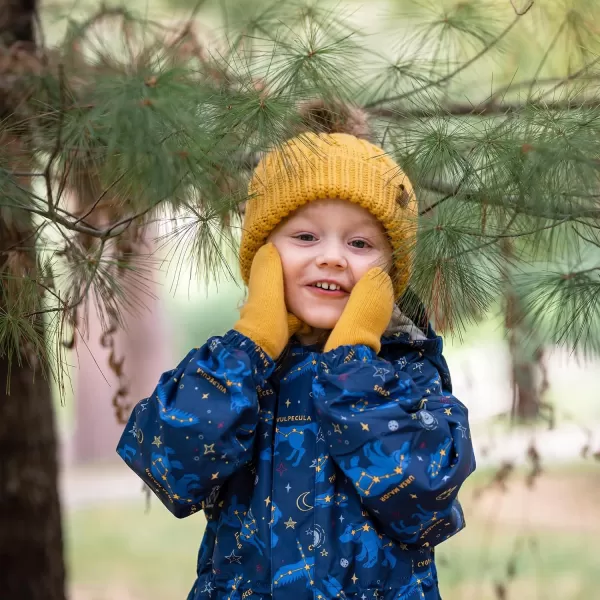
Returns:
<point x="325" y="476"/>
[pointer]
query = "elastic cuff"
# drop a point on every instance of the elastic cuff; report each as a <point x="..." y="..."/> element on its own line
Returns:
<point x="349" y="353"/>
<point x="262" y="362"/>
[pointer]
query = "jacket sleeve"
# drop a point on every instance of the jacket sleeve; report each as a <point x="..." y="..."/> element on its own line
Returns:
<point x="197" y="428"/>
<point x="399" y="437"/>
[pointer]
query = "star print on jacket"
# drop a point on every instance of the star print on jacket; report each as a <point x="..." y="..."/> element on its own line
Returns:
<point x="324" y="476"/>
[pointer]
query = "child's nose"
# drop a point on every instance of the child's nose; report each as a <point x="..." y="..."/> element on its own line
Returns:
<point x="332" y="256"/>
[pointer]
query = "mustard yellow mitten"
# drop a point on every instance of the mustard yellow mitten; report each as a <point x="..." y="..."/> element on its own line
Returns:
<point x="264" y="317"/>
<point x="367" y="313"/>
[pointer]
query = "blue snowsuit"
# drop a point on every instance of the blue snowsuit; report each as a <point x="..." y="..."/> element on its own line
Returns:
<point x="326" y="475"/>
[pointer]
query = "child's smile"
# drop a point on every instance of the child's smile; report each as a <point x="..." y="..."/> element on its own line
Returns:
<point x="326" y="246"/>
<point x="328" y="287"/>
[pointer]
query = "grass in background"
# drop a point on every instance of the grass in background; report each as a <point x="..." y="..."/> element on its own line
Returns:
<point x="120" y="552"/>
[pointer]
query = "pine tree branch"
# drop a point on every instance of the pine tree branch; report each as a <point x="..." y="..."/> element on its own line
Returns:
<point x="498" y="236"/>
<point x="104" y="116"/>
<point x="583" y="237"/>
<point x="458" y="70"/>
<point x="107" y="233"/>
<point x="546" y="54"/>
<point x="558" y="81"/>
<point x="187" y="26"/>
<point x="25" y="174"/>
<point x="586" y="224"/>
<point x="105" y="12"/>
<point x="491" y="106"/>
<point x="121" y="226"/>
<point x="573" y="274"/>
<point x="475" y="196"/>
<point x="100" y="198"/>
<point x="574" y="76"/>
<point x="488" y="108"/>
<point x="449" y="193"/>
<point x="68" y="307"/>
<point x="521" y="12"/>
<point x="56" y="218"/>
<point x="513" y="218"/>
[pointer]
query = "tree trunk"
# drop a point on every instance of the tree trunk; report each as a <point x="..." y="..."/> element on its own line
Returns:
<point x="525" y="366"/>
<point x="17" y="21"/>
<point x="528" y="376"/>
<point x="31" y="547"/>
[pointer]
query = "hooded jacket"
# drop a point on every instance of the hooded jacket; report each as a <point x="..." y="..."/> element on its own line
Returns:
<point x="322" y="476"/>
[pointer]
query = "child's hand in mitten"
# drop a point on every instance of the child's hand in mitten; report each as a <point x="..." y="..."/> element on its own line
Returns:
<point x="367" y="314"/>
<point x="264" y="317"/>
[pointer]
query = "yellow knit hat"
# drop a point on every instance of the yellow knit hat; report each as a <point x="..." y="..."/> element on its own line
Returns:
<point x="331" y="165"/>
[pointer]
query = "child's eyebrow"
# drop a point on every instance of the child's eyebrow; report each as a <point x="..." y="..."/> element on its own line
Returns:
<point x="299" y="222"/>
<point x="304" y="220"/>
<point x="365" y="223"/>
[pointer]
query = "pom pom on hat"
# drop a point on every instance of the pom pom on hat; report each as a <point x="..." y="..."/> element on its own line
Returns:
<point x="319" y="117"/>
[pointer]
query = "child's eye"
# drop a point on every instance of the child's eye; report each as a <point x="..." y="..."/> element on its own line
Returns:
<point x="305" y="237"/>
<point x="361" y="244"/>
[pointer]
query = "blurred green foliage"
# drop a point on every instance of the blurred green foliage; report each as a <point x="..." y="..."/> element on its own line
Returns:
<point x="199" y="312"/>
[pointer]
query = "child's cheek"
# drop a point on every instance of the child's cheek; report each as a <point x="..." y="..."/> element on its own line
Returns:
<point x="288" y="287"/>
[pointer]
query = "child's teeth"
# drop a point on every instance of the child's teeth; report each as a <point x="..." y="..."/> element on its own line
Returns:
<point x="327" y="286"/>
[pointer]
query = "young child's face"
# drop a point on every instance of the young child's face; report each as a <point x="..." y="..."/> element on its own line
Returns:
<point x="332" y="242"/>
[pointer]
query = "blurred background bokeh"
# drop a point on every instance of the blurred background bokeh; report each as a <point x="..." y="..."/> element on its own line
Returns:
<point x="532" y="507"/>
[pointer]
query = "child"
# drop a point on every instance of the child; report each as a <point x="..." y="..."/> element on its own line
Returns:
<point x="319" y="435"/>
